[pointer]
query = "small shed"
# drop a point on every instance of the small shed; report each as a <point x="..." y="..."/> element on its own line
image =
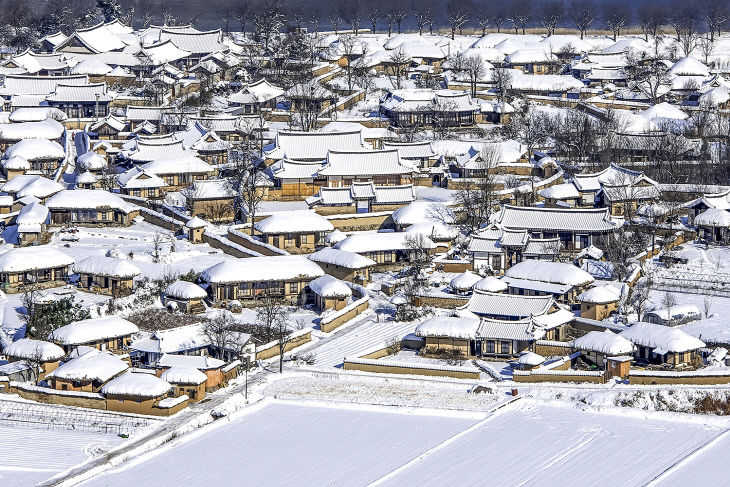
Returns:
<point x="196" y="227"/>
<point x="139" y="393"/>
<point x="187" y="296"/>
<point x="186" y="381"/>
<point x="597" y="303"/>
<point x="330" y="292"/>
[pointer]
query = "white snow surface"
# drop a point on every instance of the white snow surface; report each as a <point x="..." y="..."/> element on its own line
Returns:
<point x="107" y="266"/>
<point x="552" y="272"/>
<point x="605" y="342"/>
<point x="137" y="385"/>
<point x="297" y="221"/>
<point x="94" y="329"/>
<point x="274" y="268"/>
<point x="330" y="287"/>
<point x="185" y="290"/>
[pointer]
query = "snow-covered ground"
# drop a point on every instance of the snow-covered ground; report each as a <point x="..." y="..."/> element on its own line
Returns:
<point x="524" y="443"/>
<point x="32" y="455"/>
<point x="282" y="443"/>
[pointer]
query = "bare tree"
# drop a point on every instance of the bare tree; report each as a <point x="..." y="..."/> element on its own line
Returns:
<point x="520" y="15"/>
<point x="706" y="47"/>
<point x="582" y="15"/>
<point x="615" y="16"/>
<point x="220" y="332"/>
<point x="483" y="19"/>
<point x="457" y="14"/>
<point x="478" y="199"/>
<point x="651" y="16"/>
<point x="352" y="13"/>
<point x="397" y="66"/>
<point x="267" y="19"/>
<point x="422" y="11"/>
<point x="715" y="15"/>
<point x="669" y="301"/>
<point x="551" y="14"/>
<point x="707" y="306"/>
<point x="499" y="16"/>
<point x="247" y="183"/>
<point x="475" y="70"/>
<point x="374" y="12"/>
<point x="654" y="82"/>
<point x="501" y="79"/>
<point x="273" y="317"/>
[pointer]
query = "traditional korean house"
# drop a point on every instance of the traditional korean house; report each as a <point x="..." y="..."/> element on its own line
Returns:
<point x="310" y="96"/>
<point x="179" y="173"/>
<point x="186" y="297"/>
<point x="27" y="185"/>
<point x="598" y="346"/>
<point x="110" y="127"/>
<point x="142" y="393"/>
<point x="597" y="303"/>
<point x="14" y="166"/>
<point x="718" y="201"/>
<point x="198" y="43"/>
<point x="42" y="155"/>
<point x="84" y="101"/>
<point x="109" y="333"/>
<point x="428" y="108"/>
<point x="90" y="207"/>
<point x="294" y="231"/>
<point x="212" y="149"/>
<point x="330" y="293"/>
<point x="41" y="357"/>
<point x="186" y="381"/>
<point x="107" y="275"/>
<point x="382" y="168"/>
<point x="575" y="228"/>
<point x="659" y="344"/>
<point x="48" y="129"/>
<point x="211" y="367"/>
<point x="362" y="198"/>
<point x="87" y="371"/>
<point x="255" y="96"/>
<point x="141" y="183"/>
<point x="32" y="222"/>
<point x="282" y="277"/>
<point x="44" y="266"/>
<point x="562" y="281"/>
<point x="532" y="61"/>
<point x="312" y="146"/>
<point x="344" y="265"/>
<point x="418" y="154"/>
<point x="386" y="249"/>
<point x="212" y="199"/>
<point x="497" y="249"/>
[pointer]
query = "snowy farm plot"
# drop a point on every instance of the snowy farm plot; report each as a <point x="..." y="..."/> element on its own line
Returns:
<point x="524" y="443"/>
<point x="314" y="446"/>
<point x="530" y="445"/>
<point x="31" y="455"/>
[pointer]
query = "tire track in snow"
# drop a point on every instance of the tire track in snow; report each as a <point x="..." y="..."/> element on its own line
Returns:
<point x="495" y="412"/>
<point x="679" y="464"/>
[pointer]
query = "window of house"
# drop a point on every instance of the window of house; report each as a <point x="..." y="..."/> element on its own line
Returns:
<point x="504" y="348"/>
<point x="489" y="346"/>
<point x="293" y="287"/>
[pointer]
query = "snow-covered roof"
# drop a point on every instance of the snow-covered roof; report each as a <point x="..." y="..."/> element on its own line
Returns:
<point x="713" y="217"/>
<point x="434" y="230"/>
<point x="36" y="114"/>
<point x="31" y="185"/>
<point x="533" y="218"/>
<point x="92" y="67"/>
<point x="136" y="177"/>
<point x="77" y="94"/>
<point x="560" y="192"/>
<point x="183" y="165"/>
<point x="530" y="358"/>
<point x="31" y="258"/>
<point x="164" y="52"/>
<point x="87" y="199"/>
<point x="545" y="82"/>
<point x="551" y="272"/>
<point x="309" y="146"/>
<point x="183" y="375"/>
<point x="465" y="281"/>
<point x="196" y="222"/>
<point x="185" y="290"/>
<point x="269" y="268"/>
<point x="449" y="326"/>
<point x="200" y="362"/>
<point x="299" y="221"/>
<point x="662" y="338"/>
<point x="47" y="129"/>
<point x="689" y="66"/>
<point x="91" y="161"/>
<point x="92" y="365"/>
<point x="423" y="211"/>
<point x="330" y="287"/>
<point x="508" y="305"/>
<point x="600" y="295"/>
<point x="342" y="258"/>
<point x="195" y="42"/>
<point x="15" y="85"/>
<point x="523" y="330"/>
<point x="530" y="56"/>
<point x="605" y="342"/>
<point x="16" y="163"/>
<point x="107" y="266"/>
<point x="87" y="177"/>
<point x="362" y="163"/>
<point x="678" y="311"/>
<point x="137" y="385"/>
<point x="26" y="348"/>
<point x="491" y="284"/>
<point x="375" y="242"/>
<point x="664" y="110"/>
<point x="93" y="330"/>
<point x="36" y="150"/>
<point x="173" y="340"/>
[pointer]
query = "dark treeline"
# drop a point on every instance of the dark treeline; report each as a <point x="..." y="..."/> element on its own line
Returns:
<point x="21" y="23"/>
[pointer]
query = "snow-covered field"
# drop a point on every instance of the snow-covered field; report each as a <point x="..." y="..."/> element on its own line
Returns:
<point x="524" y="443"/>
<point x="290" y="444"/>
<point x="32" y="455"/>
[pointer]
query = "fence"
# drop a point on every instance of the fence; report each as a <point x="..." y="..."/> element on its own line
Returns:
<point x="408" y="368"/>
<point x="694" y="377"/>
<point x="271" y="349"/>
<point x="57" y="417"/>
<point x="596" y="377"/>
<point x="335" y="320"/>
